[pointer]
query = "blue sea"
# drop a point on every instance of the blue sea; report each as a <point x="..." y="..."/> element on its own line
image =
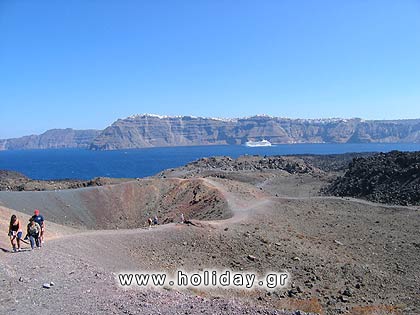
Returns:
<point x="85" y="164"/>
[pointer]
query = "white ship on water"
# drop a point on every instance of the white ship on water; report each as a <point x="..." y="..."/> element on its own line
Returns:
<point x="262" y="143"/>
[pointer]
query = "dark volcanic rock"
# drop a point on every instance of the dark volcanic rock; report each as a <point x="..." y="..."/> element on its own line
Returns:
<point x="221" y="165"/>
<point x="11" y="180"/>
<point x="332" y="162"/>
<point x="155" y="131"/>
<point x="386" y="177"/>
<point x="253" y="163"/>
<point x="11" y="175"/>
<point x="14" y="181"/>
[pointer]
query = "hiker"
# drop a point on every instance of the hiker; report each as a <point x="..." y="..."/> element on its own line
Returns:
<point x="182" y="218"/>
<point x="33" y="232"/>
<point x="155" y="220"/>
<point x="149" y="221"/>
<point x="15" y="232"/>
<point x="40" y="220"/>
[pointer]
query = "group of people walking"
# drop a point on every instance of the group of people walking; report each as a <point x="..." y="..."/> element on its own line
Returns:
<point x="36" y="227"/>
<point x="153" y="221"/>
<point x="34" y="231"/>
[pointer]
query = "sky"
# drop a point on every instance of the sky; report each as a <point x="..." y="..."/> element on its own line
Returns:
<point x="84" y="63"/>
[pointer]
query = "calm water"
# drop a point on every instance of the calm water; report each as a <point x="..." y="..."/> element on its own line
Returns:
<point x="85" y="164"/>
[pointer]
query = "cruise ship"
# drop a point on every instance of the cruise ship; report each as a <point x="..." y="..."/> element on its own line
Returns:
<point x="262" y="143"/>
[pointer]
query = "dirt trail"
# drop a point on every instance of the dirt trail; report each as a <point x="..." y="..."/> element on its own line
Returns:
<point x="242" y="202"/>
<point x="328" y="244"/>
<point x="353" y="200"/>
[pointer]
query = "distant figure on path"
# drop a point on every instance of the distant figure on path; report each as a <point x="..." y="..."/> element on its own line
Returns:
<point x="40" y="220"/>
<point x="15" y="232"/>
<point x="155" y="220"/>
<point x="34" y="233"/>
<point x="182" y="218"/>
<point x="149" y="221"/>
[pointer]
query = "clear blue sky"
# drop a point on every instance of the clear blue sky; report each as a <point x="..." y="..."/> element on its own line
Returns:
<point x="83" y="64"/>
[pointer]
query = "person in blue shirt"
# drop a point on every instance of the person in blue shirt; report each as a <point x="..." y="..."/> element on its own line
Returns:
<point x="40" y="220"/>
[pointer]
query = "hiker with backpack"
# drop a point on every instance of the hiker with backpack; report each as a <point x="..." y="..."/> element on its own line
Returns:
<point x="15" y="233"/>
<point x="33" y="232"/>
<point x="38" y="218"/>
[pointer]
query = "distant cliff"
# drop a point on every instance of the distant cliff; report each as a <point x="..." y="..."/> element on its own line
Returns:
<point x="52" y="139"/>
<point x="141" y="131"/>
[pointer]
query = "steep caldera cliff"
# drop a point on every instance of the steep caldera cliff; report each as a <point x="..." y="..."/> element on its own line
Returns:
<point x="52" y="139"/>
<point x="141" y="131"/>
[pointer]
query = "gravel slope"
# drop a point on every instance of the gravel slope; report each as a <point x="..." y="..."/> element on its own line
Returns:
<point x="344" y="256"/>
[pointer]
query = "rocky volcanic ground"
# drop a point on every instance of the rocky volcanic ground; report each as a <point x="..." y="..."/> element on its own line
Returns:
<point x="386" y="177"/>
<point x="344" y="255"/>
<point x="14" y="181"/>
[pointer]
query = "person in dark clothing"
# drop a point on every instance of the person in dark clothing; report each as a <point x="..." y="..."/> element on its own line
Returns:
<point x="38" y="218"/>
<point x="33" y="233"/>
<point x="15" y="232"/>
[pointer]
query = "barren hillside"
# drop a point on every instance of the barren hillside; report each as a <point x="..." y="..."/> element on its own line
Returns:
<point x="344" y="255"/>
